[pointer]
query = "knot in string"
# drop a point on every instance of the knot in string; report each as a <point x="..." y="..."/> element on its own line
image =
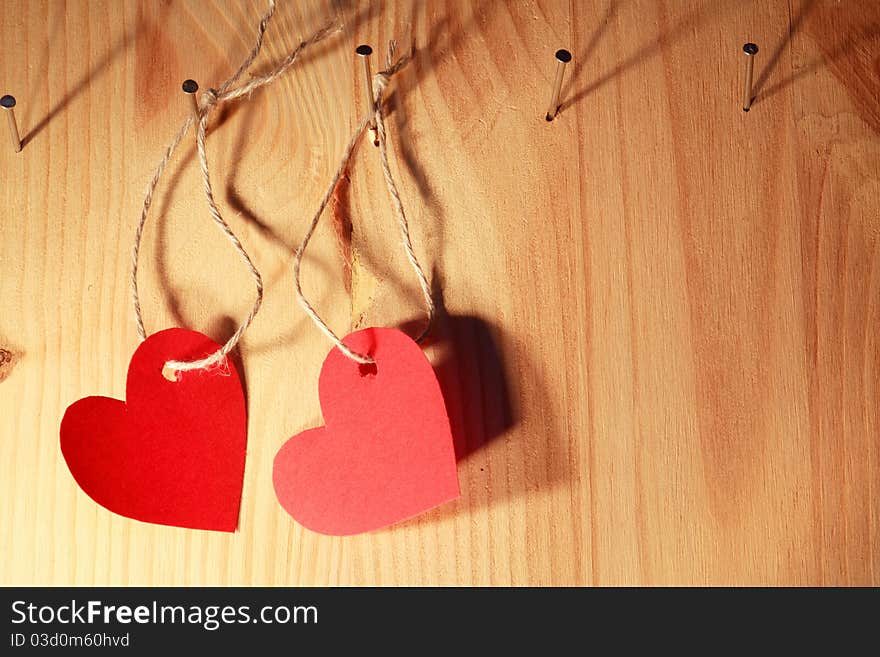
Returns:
<point x="380" y="81"/>
<point x="208" y="100"/>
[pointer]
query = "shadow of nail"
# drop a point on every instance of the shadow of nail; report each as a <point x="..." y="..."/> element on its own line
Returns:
<point x="98" y="70"/>
<point x="773" y="59"/>
<point x="582" y="57"/>
<point x="848" y="45"/>
<point x="642" y="54"/>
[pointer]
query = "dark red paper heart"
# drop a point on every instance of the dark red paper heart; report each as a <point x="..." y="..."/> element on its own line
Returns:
<point x="173" y="453"/>
<point x="386" y="452"/>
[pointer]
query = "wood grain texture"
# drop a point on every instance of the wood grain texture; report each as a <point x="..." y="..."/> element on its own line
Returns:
<point x="659" y="346"/>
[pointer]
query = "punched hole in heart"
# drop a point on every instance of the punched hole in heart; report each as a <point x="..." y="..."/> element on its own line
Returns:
<point x="169" y="373"/>
<point x="368" y="369"/>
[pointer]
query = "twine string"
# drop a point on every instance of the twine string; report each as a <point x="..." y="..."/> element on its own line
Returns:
<point x="210" y="100"/>
<point x="380" y="82"/>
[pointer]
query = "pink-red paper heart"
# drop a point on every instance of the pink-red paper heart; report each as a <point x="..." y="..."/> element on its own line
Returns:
<point x="385" y="453"/>
<point x="173" y="453"/>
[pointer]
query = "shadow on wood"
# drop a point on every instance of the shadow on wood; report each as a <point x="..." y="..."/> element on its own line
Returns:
<point x="100" y="68"/>
<point x="849" y="43"/>
<point x="581" y="58"/>
<point x="688" y="23"/>
<point x="444" y="41"/>
<point x="773" y="60"/>
<point x="474" y="382"/>
<point x="473" y="373"/>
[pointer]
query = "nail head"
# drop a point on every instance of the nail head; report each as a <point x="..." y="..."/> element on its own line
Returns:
<point x="190" y="86"/>
<point x="562" y="55"/>
<point x="7" y="101"/>
<point x="750" y="49"/>
<point x="364" y="50"/>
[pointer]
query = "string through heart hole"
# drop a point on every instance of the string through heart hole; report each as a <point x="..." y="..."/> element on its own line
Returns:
<point x="368" y="369"/>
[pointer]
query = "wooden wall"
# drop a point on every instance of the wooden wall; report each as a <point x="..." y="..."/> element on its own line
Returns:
<point x="659" y="344"/>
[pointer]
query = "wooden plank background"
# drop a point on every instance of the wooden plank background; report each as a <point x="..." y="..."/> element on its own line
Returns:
<point x="659" y="346"/>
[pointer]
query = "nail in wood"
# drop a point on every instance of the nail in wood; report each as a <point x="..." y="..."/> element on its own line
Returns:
<point x="190" y="88"/>
<point x="8" y="102"/>
<point x="364" y="51"/>
<point x="563" y="57"/>
<point x="750" y="49"/>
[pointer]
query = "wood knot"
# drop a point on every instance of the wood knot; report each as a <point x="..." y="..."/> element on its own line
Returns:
<point x="7" y="361"/>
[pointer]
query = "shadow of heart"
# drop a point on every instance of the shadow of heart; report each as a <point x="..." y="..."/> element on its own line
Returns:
<point x="489" y="417"/>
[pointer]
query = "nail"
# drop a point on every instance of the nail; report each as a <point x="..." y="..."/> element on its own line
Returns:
<point x="563" y="57"/>
<point x="750" y="49"/>
<point x="8" y="102"/>
<point x="190" y="87"/>
<point x="364" y="51"/>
